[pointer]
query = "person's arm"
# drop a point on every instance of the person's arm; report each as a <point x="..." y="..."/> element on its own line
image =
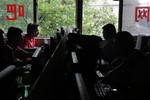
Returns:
<point x="24" y="54"/>
<point x="119" y="75"/>
<point x="21" y="63"/>
<point x="30" y="50"/>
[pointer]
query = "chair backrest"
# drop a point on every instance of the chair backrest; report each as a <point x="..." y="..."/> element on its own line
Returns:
<point x="46" y="85"/>
<point x="8" y="85"/>
<point x="37" y="64"/>
<point x="37" y="52"/>
<point x="83" y="91"/>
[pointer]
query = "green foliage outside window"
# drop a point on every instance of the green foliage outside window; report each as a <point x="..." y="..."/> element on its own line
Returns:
<point x="53" y="14"/>
<point x="95" y="18"/>
<point x="56" y="13"/>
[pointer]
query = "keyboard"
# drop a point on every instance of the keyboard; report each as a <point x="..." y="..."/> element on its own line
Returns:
<point x="102" y="89"/>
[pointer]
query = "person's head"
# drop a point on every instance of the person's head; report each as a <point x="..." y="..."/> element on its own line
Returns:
<point x="124" y="42"/>
<point x="109" y="31"/>
<point x="32" y="30"/>
<point x="1" y="37"/>
<point x="14" y="36"/>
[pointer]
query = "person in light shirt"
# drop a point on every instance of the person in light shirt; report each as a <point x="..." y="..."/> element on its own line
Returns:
<point x="29" y="38"/>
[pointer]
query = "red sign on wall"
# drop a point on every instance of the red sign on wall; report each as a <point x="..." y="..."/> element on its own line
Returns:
<point x="142" y="13"/>
<point x="15" y="11"/>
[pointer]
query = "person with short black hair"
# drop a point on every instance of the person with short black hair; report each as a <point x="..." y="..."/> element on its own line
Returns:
<point x="29" y="38"/>
<point x="109" y="31"/>
<point x="6" y="54"/>
<point x="131" y="76"/>
<point x="14" y="36"/>
<point x="107" y="51"/>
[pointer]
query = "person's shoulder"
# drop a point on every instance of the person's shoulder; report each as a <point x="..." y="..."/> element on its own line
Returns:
<point x="7" y="47"/>
<point x="25" y="35"/>
<point x="137" y="54"/>
<point x="109" y="43"/>
<point x="135" y="51"/>
<point x="6" y="50"/>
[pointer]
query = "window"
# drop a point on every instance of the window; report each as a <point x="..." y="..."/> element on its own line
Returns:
<point x="53" y="14"/>
<point x="136" y="17"/>
<point x="97" y="13"/>
<point x="17" y="13"/>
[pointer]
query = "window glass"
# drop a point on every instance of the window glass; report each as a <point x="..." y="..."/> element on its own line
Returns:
<point x="136" y="17"/>
<point x="53" y="14"/>
<point x="97" y="13"/>
<point x="17" y="13"/>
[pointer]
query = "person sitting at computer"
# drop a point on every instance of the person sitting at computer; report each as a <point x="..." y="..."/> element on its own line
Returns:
<point x="107" y="52"/>
<point x="132" y="74"/>
<point x="14" y="36"/>
<point x="6" y="54"/>
<point x="29" y="38"/>
<point x="87" y="50"/>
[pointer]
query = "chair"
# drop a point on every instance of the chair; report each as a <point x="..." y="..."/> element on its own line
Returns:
<point x="8" y="85"/>
<point x="37" y="64"/>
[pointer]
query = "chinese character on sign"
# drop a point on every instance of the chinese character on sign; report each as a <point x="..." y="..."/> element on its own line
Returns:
<point x="142" y="13"/>
<point x="15" y="11"/>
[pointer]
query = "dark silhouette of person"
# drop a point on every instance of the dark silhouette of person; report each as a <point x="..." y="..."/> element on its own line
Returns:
<point x="14" y="36"/>
<point x="75" y="30"/>
<point x="87" y="50"/>
<point x="107" y="51"/>
<point x="29" y="38"/>
<point x="6" y="54"/>
<point x="132" y="74"/>
<point x="21" y="57"/>
<point x="62" y="31"/>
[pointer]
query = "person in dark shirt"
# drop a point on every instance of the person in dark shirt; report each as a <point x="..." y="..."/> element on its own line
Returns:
<point x="107" y="51"/>
<point x="132" y="74"/>
<point x="15" y="39"/>
<point x="87" y="50"/>
<point x="6" y="54"/>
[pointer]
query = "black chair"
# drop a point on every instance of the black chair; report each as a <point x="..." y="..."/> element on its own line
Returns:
<point x="48" y="83"/>
<point x="8" y="84"/>
<point x="37" y="64"/>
